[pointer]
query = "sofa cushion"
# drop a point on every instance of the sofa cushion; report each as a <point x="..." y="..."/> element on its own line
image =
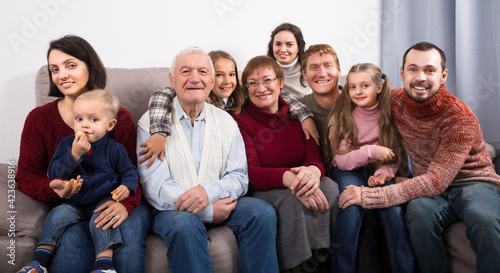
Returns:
<point x="222" y="246"/>
<point x="132" y="87"/>
<point x="14" y="258"/>
<point x="20" y="225"/>
<point x="461" y="257"/>
<point x="26" y="216"/>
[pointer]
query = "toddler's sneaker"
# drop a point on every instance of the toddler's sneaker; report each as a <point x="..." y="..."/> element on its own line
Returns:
<point x="111" y="270"/>
<point x="33" y="267"/>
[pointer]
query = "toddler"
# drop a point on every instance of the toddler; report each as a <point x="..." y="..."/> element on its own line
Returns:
<point x="98" y="169"/>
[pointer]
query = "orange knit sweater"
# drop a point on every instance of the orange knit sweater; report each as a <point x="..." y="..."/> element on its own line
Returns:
<point x="445" y="143"/>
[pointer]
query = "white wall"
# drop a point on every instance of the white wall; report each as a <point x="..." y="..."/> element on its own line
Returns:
<point x="149" y="33"/>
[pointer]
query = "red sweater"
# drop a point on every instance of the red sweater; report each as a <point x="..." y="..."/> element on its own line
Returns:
<point x="274" y="143"/>
<point x="43" y="130"/>
<point x="445" y="143"/>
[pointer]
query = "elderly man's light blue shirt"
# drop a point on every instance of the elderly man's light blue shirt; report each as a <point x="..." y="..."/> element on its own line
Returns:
<point x="161" y="190"/>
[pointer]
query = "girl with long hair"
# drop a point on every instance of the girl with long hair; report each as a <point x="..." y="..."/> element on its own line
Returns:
<point x="365" y="150"/>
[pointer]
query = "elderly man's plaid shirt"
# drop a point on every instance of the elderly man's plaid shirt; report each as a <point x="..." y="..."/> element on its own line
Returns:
<point x="161" y="103"/>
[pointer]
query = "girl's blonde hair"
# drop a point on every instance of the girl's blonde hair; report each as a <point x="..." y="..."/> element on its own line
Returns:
<point x="237" y="96"/>
<point x="109" y="102"/>
<point x="345" y="127"/>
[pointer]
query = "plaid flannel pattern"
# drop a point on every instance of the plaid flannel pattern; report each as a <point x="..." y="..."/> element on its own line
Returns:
<point x="160" y="110"/>
<point x="297" y="109"/>
<point x="161" y="103"/>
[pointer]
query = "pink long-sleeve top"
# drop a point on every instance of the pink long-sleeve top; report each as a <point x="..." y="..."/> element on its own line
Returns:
<point x="366" y="119"/>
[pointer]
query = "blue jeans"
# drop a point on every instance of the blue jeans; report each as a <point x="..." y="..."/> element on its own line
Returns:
<point x="76" y="252"/>
<point x="475" y="203"/>
<point x="349" y="222"/>
<point x="253" y="221"/>
<point x="64" y="215"/>
<point x="369" y="258"/>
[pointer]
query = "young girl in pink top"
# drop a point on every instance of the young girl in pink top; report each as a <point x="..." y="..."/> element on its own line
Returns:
<point x="365" y="151"/>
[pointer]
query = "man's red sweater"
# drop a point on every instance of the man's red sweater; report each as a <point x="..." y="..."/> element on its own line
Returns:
<point x="445" y="143"/>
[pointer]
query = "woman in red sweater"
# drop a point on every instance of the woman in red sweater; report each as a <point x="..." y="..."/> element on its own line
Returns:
<point x="76" y="68"/>
<point x="284" y="168"/>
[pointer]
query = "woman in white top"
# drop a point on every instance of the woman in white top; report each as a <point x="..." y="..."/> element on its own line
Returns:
<point x="287" y="48"/>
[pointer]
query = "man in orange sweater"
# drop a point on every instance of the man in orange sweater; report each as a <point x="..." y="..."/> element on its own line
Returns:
<point x="453" y="178"/>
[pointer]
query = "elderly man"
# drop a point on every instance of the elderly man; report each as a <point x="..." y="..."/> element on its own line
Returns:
<point x="453" y="178"/>
<point x="203" y="178"/>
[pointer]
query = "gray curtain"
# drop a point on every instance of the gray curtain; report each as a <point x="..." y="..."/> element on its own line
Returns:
<point x="469" y="33"/>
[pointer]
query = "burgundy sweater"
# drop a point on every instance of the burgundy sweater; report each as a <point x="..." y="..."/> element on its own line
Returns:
<point x="274" y="143"/>
<point x="445" y="143"/>
<point x="43" y="130"/>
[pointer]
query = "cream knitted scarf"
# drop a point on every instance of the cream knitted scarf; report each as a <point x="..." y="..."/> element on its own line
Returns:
<point x="220" y="129"/>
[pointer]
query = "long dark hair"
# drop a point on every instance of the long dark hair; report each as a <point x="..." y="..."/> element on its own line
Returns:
<point x="297" y="33"/>
<point x="79" y="48"/>
<point x="237" y="94"/>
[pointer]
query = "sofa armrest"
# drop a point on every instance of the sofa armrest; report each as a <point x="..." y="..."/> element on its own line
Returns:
<point x="20" y="214"/>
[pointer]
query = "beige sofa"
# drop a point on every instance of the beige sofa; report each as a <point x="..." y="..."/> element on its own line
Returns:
<point x="133" y="87"/>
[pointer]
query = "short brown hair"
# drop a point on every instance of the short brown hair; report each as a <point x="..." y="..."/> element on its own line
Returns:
<point x="258" y="62"/>
<point x="426" y="46"/>
<point x="322" y="49"/>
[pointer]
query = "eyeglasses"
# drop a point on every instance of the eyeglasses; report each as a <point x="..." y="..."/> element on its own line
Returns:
<point x="254" y="85"/>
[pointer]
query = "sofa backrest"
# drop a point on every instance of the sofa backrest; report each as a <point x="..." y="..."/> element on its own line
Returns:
<point x="132" y="87"/>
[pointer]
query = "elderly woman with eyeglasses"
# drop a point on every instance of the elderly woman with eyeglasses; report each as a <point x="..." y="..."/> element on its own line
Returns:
<point x="284" y="167"/>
